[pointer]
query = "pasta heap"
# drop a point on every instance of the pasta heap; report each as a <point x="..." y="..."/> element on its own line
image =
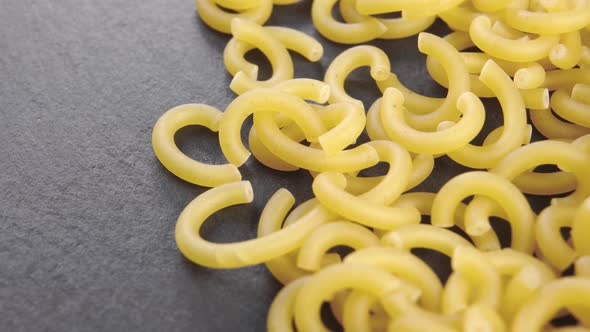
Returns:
<point x="529" y="49"/>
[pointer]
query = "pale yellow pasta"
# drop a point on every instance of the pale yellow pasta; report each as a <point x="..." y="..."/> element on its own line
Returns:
<point x="239" y="254"/>
<point x="550" y="23"/>
<point x="418" y="324"/>
<point x="568" y="52"/>
<point x="517" y="50"/>
<point x="487" y="241"/>
<point x="446" y="139"/>
<point x="396" y="27"/>
<point x="439" y="7"/>
<point x="344" y="33"/>
<point x="282" y="308"/>
<point x="581" y="229"/>
<point x="585" y="57"/>
<point x="519" y="213"/>
<point x="509" y="262"/>
<point x="506" y="31"/>
<point x="459" y="18"/>
<point x="570" y="109"/>
<point x="266" y="157"/>
<point x="536" y="99"/>
<point x="177" y="162"/>
<point x="329" y="189"/>
<point x="302" y="43"/>
<point x="567" y="78"/>
<point x="414" y="102"/>
<point x="482" y="318"/>
<point x="552" y="127"/>
<point x="424" y="236"/>
<point x="357" y="315"/>
<point x="482" y="281"/>
<point x="569" y="292"/>
<point x="330" y="235"/>
<point x="361" y="157"/>
<point x="405" y="266"/>
<point x="220" y="20"/>
<point x="529" y="77"/>
<point x="263" y="100"/>
<point x="515" y="122"/>
<point x="519" y="289"/>
<point x="582" y="266"/>
<point x="566" y="156"/>
<point x="490" y="6"/>
<point x="399" y="306"/>
<point x="271" y="47"/>
<point x="346" y="122"/>
<point x="554" y="248"/>
<point x="238" y="4"/>
<point x="581" y="93"/>
<point x="349" y="60"/>
<point x="329" y="280"/>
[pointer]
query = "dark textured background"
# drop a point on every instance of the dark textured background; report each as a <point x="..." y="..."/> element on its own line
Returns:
<point x="87" y="213"/>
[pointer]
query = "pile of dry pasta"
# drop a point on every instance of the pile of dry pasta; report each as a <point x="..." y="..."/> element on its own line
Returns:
<point x="535" y="56"/>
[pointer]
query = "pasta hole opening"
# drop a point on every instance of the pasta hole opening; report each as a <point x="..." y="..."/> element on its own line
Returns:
<point x="438" y="262"/>
<point x="258" y="58"/>
<point x="201" y="144"/>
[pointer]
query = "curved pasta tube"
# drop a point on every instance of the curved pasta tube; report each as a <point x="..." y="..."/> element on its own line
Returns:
<point x="361" y="157"/>
<point x="271" y="47"/>
<point x="566" y="78"/>
<point x="300" y="42"/>
<point x="328" y="281"/>
<point x="509" y="262"/>
<point x="519" y="214"/>
<point x="440" y="7"/>
<point x="350" y="60"/>
<point x="568" y="52"/>
<point x="459" y="18"/>
<point x="553" y="128"/>
<point x="414" y="102"/>
<point x="570" y="109"/>
<point x="267" y="158"/>
<point x="282" y="309"/>
<point x="566" y="156"/>
<point x="356" y="315"/>
<point x="482" y="318"/>
<point x="329" y="189"/>
<point x="448" y="139"/>
<point x="553" y="23"/>
<point x="344" y="33"/>
<point x="581" y="93"/>
<point x="515" y="122"/>
<point x="581" y="229"/>
<point x="412" y="324"/>
<point x="482" y="280"/>
<point x="220" y="20"/>
<point x="554" y="248"/>
<point x="490" y="6"/>
<point x="509" y="49"/>
<point x="458" y="75"/>
<point x="536" y="99"/>
<point x="519" y="289"/>
<point x="396" y="27"/>
<point x="331" y="235"/>
<point x="529" y="77"/>
<point x="487" y="241"/>
<point x="239" y="254"/>
<point x="263" y="100"/>
<point x="406" y="267"/>
<point x="566" y="292"/>
<point x="346" y="122"/>
<point x="177" y="162"/>
<point x="424" y="236"/>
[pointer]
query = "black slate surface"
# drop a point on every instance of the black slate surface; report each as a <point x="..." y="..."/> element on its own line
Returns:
<point x="87" y="213"/>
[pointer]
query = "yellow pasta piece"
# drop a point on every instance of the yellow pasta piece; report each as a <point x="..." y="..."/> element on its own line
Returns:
<point x="400" y="307"/>
<point x="581" y="229"/>
<point x="448" y="138"/>
<point x="550" y="23"/>
<point x="519" y="214"/>
<point x="553" y="128"/>
<point x="266" y="157"/>
<point x="567" y="292"/>
<point x="396" y="27"/>
<point x="220" y="20"/>
<point x="309" y="158"/>
<point x="582" y="266"/>
<point x="536" y="99"/>
<point x="509" y="262"/>
<point x="329" y="189"/>
<point x="344" y="33"/>
<point x="302" y="43"/>
<point x="329" y="280"/>
<point x="554" y="248"/>
<point x="566" y="156"/>
<point x="459" y="18"/>
<point x="439" y="7"/>
<point x="566" y="79"/>
<point x="233" y="255"/>
<point x="490" y="6"/>
<point x="530" y="77"/>
<point x="282" y="308"/>
<point x="515" y="122"/>
<point x="177" y="162"/>
<point x="568" y="52"/>
<point x="581" y="93"/>
<point x="350" y="60"/>
<point x="405" y="266"/>
<point x="519" y="289"/>
<point x="418" y="324"/>
<point x="330" y="235"/>
<point x="356" y="315"/>
<point x="424" y="236"/>
<point x="271" y="47"/>
<point x="238" y="4"/>
<point x="346" y="122"/>
<point x="517" y="50"/>
<point x="481" y="318"/>
<point x="414" y="102"/>
<point x="570" y="109"/>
